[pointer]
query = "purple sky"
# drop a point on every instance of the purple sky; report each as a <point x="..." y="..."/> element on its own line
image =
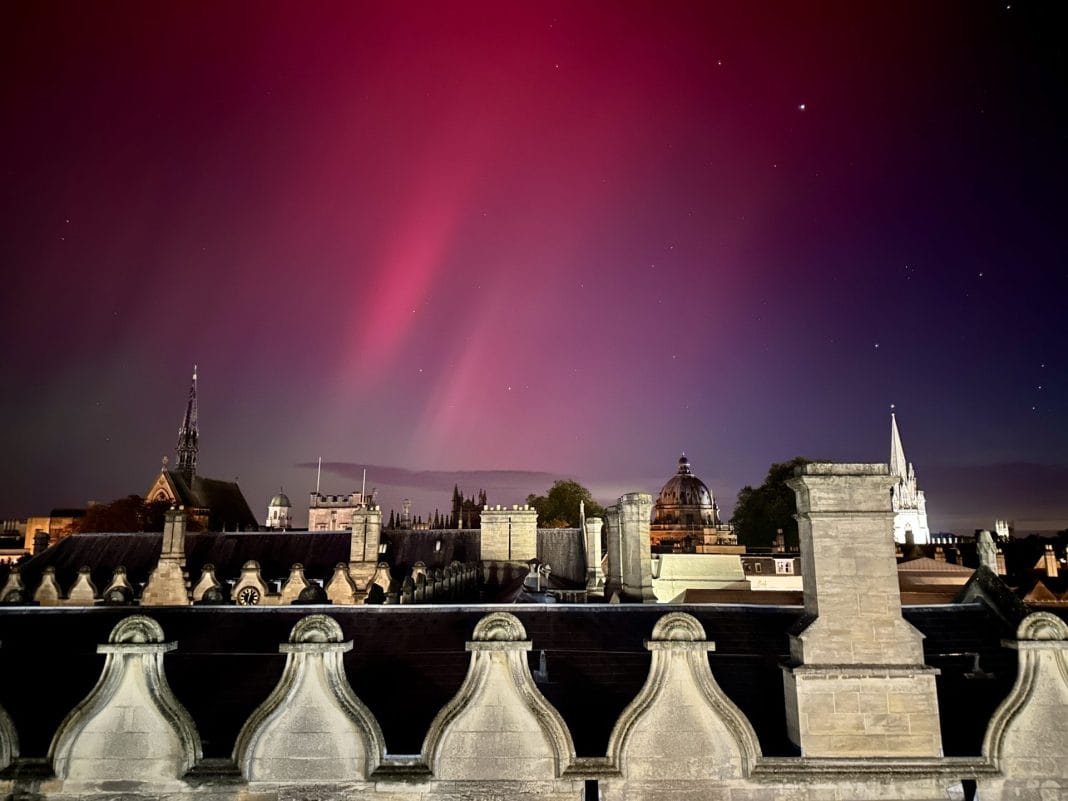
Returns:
<point x="569" y="238"/>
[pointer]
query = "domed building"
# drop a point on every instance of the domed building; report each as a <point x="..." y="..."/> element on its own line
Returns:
<point x="279" y="512"/>
<point x="686" y="517"/>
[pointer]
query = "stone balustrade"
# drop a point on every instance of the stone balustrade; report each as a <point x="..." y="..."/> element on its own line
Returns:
<point x="681" y="737"/>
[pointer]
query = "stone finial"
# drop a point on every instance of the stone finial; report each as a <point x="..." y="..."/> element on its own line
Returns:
<point x="498" y="726"/>
<point x="130" y="727"/>
<point x="1032" y="713"/>
<point x="682" y="725"/>
<point x="83" y="591"/>
<point x="295" y="584"/>
<point x="14" y="591"/>
<point x="9" y="740"/>
<point x="312" y="728"/>
<point x="206" y="582"/>
<point x="47" y="593"/>
<point x="119" y="591"/>
<point x="341" y="589"/>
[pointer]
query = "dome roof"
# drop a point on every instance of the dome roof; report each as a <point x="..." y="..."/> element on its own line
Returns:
<point x="280" y="500"/>
<point x="684" y="488"/>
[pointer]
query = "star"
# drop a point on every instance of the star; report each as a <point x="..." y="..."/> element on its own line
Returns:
<point x="801" y="107"/>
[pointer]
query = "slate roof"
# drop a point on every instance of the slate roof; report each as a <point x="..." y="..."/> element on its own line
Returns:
<point x="409" y="660"/>
<point x="226" y="505"/>
<point x="278" y="551"/>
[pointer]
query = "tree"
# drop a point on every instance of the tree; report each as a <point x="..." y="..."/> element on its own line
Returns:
<point x="131" y="513"/>
<point x="760" y="513"/>
<point x="559" y="507"/>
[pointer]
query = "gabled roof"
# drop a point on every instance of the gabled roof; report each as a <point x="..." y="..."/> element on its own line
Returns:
<point x="226" y="505"/>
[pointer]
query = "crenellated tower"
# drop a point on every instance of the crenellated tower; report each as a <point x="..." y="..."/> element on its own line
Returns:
<point x="188" y="434"/>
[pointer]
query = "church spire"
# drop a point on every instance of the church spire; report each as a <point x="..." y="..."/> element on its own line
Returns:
<point x="898" y="465"/>
<point x="188" y="435"/>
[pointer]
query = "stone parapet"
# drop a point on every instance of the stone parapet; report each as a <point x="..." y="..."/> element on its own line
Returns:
<point x="680" y="738"/>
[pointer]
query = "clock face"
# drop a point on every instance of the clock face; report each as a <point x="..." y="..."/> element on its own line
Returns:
<point x="249" y="596"/>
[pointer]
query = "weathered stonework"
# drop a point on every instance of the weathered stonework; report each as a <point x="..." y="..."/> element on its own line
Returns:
<point x="167" y="584"/>
<point x="363" y="551"/>
<point x="498" y="727"/>
<point x="207" y="581"/>
<point x="1035" y="711"/>
<point x="681" y="727"/>
<point x="130" y="728"/>
<point x="83" y="591"/>
<point x="48" y="592"/>
<point x="9" y="740"/>
<point x="341" y="589"/>
<point x="594" y="573"/>
<point x="857" y="684"/>
<point x="250" y="589"/>
<point x="295" y="584"/>
<point x="613" y="580"/>
<point x="312" y="729"/>
<point x="634" y="510"/>
<point x="509" y="535"/>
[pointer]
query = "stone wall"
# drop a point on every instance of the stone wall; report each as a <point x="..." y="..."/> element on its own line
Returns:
<point x="509" y="534"/>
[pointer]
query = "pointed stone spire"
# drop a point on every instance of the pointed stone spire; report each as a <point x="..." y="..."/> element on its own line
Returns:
<point x="898" y="465"/>
<point x="189" y="435"/>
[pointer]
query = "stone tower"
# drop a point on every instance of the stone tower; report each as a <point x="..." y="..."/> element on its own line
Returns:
<point x="909" y="503"/>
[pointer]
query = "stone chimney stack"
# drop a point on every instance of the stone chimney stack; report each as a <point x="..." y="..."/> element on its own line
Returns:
<point x="167" y="585"/>
<point x="594" y="574"/>
<point x="1049" y="562"/>
<point x="635" y="510"/>
<point x="173" y="534"/>
<point x="363" y="544"/>
<point x="613" y="581"/>
<point x="856" y="685"/>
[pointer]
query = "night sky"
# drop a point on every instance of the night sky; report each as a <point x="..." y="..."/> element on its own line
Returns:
<point x="575" y="238"/>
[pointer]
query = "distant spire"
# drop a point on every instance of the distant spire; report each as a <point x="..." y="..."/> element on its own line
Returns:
<point x="188" y="434"/>
<point x="898" y="465"/>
